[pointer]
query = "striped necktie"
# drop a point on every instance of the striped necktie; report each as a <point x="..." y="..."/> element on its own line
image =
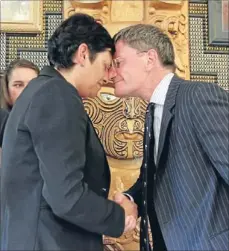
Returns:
<point x="148" y="150"/>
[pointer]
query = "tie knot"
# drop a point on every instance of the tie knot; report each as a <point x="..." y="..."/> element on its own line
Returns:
<point x="150" y="108"/>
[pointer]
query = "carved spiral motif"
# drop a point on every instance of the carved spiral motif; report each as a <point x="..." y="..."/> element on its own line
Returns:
<point x="119" y="123"/>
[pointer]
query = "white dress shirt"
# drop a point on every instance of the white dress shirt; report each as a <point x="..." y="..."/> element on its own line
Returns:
<point x="158" y="98"/>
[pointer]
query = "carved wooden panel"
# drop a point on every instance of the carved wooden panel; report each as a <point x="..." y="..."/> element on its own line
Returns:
<point x="120" y="122"/>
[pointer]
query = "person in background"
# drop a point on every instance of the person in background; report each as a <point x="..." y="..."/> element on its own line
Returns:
<point x="183" y="187"/>
<point x="56" y="178"/>
<point x="16" y="77"/>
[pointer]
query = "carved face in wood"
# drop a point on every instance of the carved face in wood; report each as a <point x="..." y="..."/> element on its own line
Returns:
<point x="118" y="122"/>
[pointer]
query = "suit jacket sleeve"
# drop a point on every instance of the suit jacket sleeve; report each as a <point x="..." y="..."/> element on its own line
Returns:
<point x="210" y="110"/>
<point x="57" y="122"/>
<point x="136" y="193"/>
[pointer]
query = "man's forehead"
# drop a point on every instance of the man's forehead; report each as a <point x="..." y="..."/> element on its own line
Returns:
<point x="122" y="49"/>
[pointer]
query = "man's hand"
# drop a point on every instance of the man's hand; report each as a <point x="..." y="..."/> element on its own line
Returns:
<point x="131" y="211"/>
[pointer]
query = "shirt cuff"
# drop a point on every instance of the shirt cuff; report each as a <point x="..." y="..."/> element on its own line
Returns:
<point x="129" y="197"/>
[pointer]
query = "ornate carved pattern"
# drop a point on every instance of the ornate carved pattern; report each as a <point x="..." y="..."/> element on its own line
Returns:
<point x="127" y="241"/>
<point x="124" y="11"/>
<point x="171" y="16"/>
<point x="120" y="122"/>
<point x="100" y="9"/>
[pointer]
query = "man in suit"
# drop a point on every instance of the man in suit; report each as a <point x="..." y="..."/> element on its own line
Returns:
<point x="183" y="185"/>
<point x="55" y="175"/>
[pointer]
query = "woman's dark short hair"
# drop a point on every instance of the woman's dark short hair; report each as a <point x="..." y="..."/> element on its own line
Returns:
<point x="77" y="29"/>
<point x="17" y="63"/>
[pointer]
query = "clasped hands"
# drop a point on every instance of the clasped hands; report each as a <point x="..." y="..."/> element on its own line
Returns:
<point x="131" y="211"/>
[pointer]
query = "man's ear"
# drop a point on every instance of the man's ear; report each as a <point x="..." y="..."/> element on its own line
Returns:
<point x="81" y="54"/>
<point x="152" y="59"/>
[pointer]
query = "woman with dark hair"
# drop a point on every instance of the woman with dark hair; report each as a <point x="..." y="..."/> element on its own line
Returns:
<point x="56" y="178"/>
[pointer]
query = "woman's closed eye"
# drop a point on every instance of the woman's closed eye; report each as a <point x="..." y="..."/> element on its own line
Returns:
<point x="107" y="67"/>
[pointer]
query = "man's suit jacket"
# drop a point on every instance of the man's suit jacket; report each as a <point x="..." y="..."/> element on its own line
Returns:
<point x="191" y="182"/>
<point x="55" y="175"/>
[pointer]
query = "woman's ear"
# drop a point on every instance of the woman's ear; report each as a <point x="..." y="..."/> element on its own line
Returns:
<point x="80" y="55"/>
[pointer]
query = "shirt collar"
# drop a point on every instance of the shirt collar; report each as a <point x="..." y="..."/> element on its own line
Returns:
<point x="159" y="94"/>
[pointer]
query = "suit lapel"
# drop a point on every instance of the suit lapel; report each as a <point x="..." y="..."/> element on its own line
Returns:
<point x="167" y="114"/>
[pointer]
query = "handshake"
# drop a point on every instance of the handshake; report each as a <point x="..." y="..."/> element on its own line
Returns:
<point x="131" y="211"/>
